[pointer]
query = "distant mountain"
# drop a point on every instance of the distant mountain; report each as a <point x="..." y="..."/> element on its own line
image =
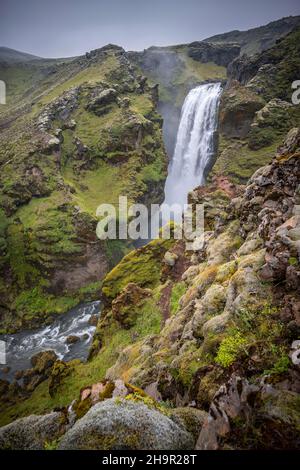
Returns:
<point x="258" y="39"/>
<point x="13" y="56"/>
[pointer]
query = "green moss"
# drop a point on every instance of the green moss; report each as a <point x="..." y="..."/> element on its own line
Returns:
<point x="94" y="187"/>
<point x="18" y="242"/>
<point x="259" y="138"/>
<point x="239" y="162"/>
<point x="17" y="78"/>
<point x="89" y="127"/>
<point x="148" y="401"/>
<point x="293" y="261"/>
<point x="281" y="365"/>
<point x="81" y="407"/>
<point x="91" y="290"/>
<point x="189" y="362"/>
<point x="107" y="392"/>
<point x="155" y="171"/>
<point x="226" y="271"/>
<point x="142" y="266"/>
<point x="285" y="55"/>
<point x="141" y="104"/>
<point x="93" y="74"/>
<point x="34" y="302"/>
<point x="36" y="211"/>
<point x="230" y="349"/>
<point x="115" y="250"/>
<point x="51" y="445"/>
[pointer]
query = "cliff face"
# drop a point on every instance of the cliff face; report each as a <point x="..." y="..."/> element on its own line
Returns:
<point x="232" y="314"/>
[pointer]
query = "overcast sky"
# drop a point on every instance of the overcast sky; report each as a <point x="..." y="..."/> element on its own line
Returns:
<point x="61" y="28"/>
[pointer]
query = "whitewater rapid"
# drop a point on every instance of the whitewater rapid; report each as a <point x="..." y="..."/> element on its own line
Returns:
<point x="195" y="143"/>
<point x="20" y="347"/>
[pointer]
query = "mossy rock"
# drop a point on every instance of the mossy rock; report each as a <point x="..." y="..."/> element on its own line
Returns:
<point x="126" y="306"/>
<point x="142" y="266"/>
<point x="125" y="424"/>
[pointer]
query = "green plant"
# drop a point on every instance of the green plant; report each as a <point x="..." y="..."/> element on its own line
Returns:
<point x="51" y="445"/>
<point x="230" y="348"/>
<point x="281" y="365"/>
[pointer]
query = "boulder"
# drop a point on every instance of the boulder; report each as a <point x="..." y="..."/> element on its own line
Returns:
<point x="72" y="339"/>
<point x="43" y="360"/>
<point x="42" y="363"/>
<point x="32" y="432"/>
<point x="170" y="258"/>
<point x="125" y="425"/>
<point x="101" y="104"/>
<point x="216" y="324"/>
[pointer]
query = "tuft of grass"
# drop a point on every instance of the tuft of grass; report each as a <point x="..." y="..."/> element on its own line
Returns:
<point x="178" y="290"/>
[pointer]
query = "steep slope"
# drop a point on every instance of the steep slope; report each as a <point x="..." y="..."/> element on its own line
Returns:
<point x="85" y="132"/>
<point x="206" y="338"/>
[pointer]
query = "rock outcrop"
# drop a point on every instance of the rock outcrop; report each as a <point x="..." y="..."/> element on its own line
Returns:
<point x="220" y="54"/>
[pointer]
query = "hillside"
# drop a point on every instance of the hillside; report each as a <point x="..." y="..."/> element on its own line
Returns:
<point x="259" y="89"/>
<point x="11" y="56"/>
<point x="258" y="39"/>
<point x="85" y="133"/>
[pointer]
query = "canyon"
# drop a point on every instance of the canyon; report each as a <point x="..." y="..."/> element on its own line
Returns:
<point x="192" y="349"/>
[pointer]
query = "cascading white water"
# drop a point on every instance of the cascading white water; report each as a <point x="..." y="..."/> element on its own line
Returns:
<point x="20" y="347"/>
<point x="194" y="144"/>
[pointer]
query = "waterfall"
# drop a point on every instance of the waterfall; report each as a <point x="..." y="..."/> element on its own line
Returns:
<point x="194" y="147"/>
